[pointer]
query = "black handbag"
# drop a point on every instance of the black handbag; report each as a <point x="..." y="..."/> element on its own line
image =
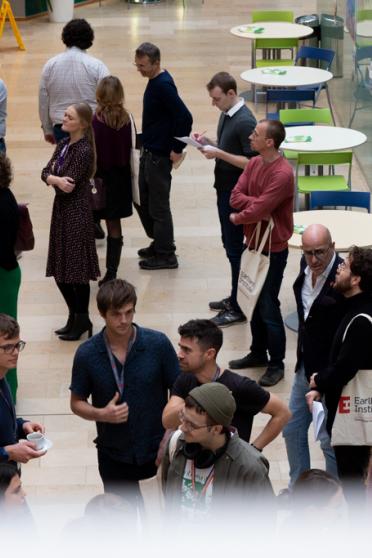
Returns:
<point x="25" y="236"/>
<point x="97" y="194"/>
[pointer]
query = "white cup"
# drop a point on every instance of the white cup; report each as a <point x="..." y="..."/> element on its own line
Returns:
<point x="37" y="438"/>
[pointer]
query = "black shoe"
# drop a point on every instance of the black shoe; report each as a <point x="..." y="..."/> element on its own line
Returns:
<point x="68" y="326"/>
<point x="148" y="252"/>
<point x="272" y="376"/>
<point x="228" y="317"/>
<point x="159" y="262"/>
<point x="219" y="304"/>
<point x="249" y="361"/>
<point x="99" y="233"/>
<point x="81" y="324"/>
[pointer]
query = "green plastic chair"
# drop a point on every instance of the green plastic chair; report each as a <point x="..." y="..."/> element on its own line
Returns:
<point x="299" y="117"/>
<point x="329" y="183"/>
<point x="275" y="45"/>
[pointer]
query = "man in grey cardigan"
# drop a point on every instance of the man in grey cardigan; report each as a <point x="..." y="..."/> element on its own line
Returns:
<point x="208" y="464"/>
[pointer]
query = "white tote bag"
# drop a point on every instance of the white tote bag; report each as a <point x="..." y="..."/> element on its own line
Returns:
<point x="134" y="163"/>
<point x="254" y="266"/>
<point x="353" y="421"/>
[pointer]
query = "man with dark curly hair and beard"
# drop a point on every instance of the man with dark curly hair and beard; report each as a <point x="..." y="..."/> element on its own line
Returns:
<point x="68" y="78"/>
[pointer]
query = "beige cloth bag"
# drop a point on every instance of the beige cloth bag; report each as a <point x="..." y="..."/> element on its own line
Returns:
<point x="254" y="267"/>
<point x="353" y="421"/>
<point x="134" y="163"/>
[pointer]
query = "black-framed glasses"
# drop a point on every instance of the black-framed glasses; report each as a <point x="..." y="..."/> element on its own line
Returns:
<point x="319" y="253"/>
<point x="190" y="426"/>
<point x="11" y="347"/>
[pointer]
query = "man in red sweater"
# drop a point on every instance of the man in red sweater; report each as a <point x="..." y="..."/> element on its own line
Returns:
<point x="266" y="189"/>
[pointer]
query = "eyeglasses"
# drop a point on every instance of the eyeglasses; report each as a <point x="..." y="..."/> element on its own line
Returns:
<point x="9" y="349"/>
<point x="319" y="254"/>
<point x="190" y="426"/>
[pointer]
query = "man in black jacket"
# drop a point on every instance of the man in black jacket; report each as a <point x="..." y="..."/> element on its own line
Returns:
<point x="319" y="310"/>
<point x="164" y="117"/>
<point x="351" y="351"/>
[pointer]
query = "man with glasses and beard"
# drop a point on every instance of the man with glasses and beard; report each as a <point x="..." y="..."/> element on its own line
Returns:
<point x="209" y="465"/>
<point x="319" y="310"/>
<point x="351" y="351"/>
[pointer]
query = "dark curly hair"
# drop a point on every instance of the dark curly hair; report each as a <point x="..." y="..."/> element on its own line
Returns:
<point x="6" y="171"/>
<point x="361" y="266"/>
<point x="78" y="33"/>
<point x="206" y="332"/>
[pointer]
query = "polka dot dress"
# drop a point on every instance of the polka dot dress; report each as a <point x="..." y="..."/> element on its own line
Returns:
<point x="72" y="255"/>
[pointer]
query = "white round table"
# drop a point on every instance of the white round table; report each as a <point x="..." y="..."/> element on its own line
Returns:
<point x="323" y="138"/>
<point x="364" y="28"/>
<point x="347" y="227"/>
<point x="271" y="30"/>
<point x="291" y="76"/>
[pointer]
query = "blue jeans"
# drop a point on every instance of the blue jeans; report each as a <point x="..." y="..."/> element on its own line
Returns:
<point x="232" y="240"/>
<point x="267" y="326"/>
<point x="295" y="433"/>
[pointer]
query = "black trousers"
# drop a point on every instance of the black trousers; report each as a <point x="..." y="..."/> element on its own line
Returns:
<point x="154" y="184"/>
<point x="123" y="478"/>
<point x="352" y="465"/>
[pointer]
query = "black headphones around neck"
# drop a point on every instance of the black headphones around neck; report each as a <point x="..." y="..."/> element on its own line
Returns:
<point x="203" y="457"/>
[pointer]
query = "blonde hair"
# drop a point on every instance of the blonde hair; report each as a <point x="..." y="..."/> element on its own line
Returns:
<point x="110" y="103"/>
<point x="85" y="115"/>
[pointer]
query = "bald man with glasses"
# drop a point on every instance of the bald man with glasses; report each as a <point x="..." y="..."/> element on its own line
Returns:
<point x="319" y="310"/>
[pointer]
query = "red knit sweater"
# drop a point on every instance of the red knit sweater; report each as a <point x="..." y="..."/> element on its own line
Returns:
<point x="264" y="190"/>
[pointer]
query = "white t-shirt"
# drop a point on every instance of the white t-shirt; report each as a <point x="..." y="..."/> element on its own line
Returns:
<point x="197" y="490"/>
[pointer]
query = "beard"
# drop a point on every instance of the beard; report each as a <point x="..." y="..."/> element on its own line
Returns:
<point x="342" y="286"/>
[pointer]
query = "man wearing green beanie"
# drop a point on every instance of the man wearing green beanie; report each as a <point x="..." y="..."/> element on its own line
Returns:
<point x="206" y="463"/>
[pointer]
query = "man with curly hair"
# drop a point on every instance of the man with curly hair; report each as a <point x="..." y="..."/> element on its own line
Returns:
<point x="68" y="78"/>
<point x="351" y="351"/>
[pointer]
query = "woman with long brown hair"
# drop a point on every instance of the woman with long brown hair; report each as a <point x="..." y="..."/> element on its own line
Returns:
<point x="112" y="130"/>
<point x="72" y="256"/>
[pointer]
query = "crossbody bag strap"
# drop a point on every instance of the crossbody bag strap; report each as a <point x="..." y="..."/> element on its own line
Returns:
<point x="369" y="318"/>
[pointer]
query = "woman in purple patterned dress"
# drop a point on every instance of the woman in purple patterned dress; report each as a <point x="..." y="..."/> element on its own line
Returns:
<point x="112" y="131"/>
<point x="72" y="256"/>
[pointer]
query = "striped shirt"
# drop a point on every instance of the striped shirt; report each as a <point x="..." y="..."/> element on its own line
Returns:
<point x="68" y="78"/>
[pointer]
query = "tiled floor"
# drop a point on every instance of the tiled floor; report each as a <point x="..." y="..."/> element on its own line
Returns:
<point x="195" y="43"/>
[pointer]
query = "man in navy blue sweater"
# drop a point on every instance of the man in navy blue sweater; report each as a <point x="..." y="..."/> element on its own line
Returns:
<point x="165" y="117"/>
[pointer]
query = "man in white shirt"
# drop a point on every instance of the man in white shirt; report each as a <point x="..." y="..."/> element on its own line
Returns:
<point x="319" y="310"/>
<point x="68" y="78"/>
<point x="231" y="151"/>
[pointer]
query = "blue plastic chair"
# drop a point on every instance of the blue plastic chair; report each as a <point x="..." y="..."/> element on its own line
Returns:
<point x="363" y="91"/>
<point x="340" y="199"/>
<point x="324" y="57"/>
<point x="285" y="96"/>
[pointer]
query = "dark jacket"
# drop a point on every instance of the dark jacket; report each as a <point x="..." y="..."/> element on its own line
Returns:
<point x="349" y="356"/>
<point x="241" y="472"/>
<point x="315" y="335"/>
<point x="11" y="428"/>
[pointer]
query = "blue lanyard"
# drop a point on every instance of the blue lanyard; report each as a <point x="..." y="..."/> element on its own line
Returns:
<point x="119" y="378"/>
<point x="61" y="158"/>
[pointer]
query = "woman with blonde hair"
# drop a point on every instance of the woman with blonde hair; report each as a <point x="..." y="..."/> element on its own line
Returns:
<point x="72" y="256"/>
<point x="112" y="129"/>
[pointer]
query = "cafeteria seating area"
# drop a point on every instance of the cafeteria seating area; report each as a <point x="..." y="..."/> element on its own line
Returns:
<point x="327" y="155"/>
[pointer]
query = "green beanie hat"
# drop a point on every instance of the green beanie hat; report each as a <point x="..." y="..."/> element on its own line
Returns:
<point x="217" y="401"/>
